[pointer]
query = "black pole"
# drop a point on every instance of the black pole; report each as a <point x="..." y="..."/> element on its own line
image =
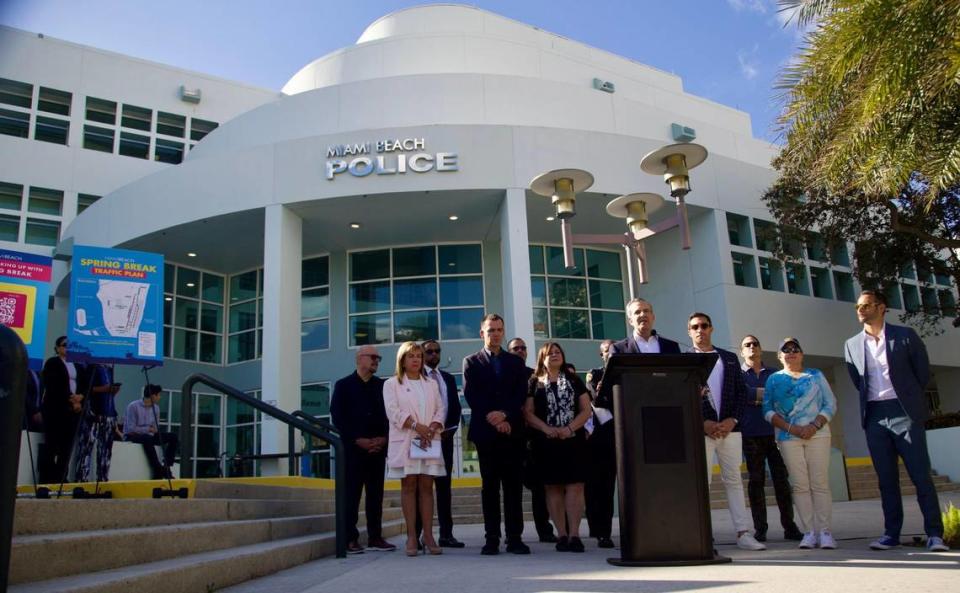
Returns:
<point x="291" y="454"/>
<point x="13" y="373"/>
<point x="186" y="430"/>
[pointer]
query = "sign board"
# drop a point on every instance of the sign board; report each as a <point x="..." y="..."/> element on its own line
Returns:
<point x="116" y="306"/>
<point x="24" y="296"/>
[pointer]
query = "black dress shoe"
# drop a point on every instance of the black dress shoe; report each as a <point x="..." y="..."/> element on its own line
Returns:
<point x="792" y="534"/>
<point x="576" y="545"/>
<point x="604" y="542"/>
<point x="518" y="547"/>
<point x="548" y="538"/>
<point x="563" y="545"/>
<point x="450" y="542"/>
<point x="760" y="536"/>
<point x="491" y="548"/>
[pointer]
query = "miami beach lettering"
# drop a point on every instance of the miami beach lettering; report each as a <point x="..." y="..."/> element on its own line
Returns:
<point x="387" y="157"/>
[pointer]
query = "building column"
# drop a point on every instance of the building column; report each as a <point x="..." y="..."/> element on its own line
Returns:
<point x="280" y="364"/>
<point x="515" y="262"/>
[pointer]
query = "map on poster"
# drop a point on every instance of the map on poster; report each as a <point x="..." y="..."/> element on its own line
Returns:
<point x="24" y="292"/>
<point x="116" y="306"/>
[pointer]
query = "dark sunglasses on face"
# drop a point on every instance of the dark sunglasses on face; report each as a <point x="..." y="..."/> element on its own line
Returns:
<point x="515" y="348"/>
<point x="751" y="344"/>
<point x="431" y="351"/>
<point x="791" y="350"/>
<point x="697" y="326"/>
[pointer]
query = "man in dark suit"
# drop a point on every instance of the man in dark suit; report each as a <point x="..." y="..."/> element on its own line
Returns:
<point x="724" y="397"/>
<point x="531" y="478"/>
<point x="495" y="387"/>
<point x="889" y="367"/>
<point x="357" y="411"/>
<point x="451" y="402"/>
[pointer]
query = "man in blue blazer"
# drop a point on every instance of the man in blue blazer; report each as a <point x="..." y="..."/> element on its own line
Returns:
<point x="495" y="387"/>
<point x="724" y="398"/>
<point x="889" y="367"/>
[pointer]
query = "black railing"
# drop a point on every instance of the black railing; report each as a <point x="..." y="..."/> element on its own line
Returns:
<point x="315" y="421"/>
<point x="13" y="374"/>
<point x="186" y="442"/>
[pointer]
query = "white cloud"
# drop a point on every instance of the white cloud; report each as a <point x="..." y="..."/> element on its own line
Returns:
<point x="749" y="66"/>
<point x="759" y="6"/>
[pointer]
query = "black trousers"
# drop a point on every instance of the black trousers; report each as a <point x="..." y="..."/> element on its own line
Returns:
<point x="364" y="471"/>
<point x="538" y="495"/>
<point x="501" y="467"/>
<point x="59" y="435"/>
<point x="170" y="443"/>
<point x="442" y="485"/>
<point x="601" y="480"/>
<point x="760" y="451"/>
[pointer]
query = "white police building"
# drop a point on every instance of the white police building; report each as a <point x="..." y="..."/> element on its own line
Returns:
<point x="383" y="195"/>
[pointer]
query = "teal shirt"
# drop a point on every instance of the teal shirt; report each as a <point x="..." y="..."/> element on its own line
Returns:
<point x="799" y="401"/>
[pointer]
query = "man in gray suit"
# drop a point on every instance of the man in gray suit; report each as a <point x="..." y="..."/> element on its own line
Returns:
<point x="889" y="367"/>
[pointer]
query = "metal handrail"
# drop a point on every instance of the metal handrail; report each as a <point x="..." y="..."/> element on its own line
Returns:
<point x="186" y="442"/>
<point x="313" y="420"/>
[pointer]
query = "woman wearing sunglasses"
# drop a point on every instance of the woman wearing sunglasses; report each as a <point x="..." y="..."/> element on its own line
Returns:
<point x="799" y="403"/>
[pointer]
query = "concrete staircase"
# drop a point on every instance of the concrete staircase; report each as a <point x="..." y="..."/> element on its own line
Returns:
<point x="228" y="534"/>
<point x="862" y="481"/>
<point x="467" y="508"/>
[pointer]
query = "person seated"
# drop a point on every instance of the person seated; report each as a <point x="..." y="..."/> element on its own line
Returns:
<point x="142" y="425"/>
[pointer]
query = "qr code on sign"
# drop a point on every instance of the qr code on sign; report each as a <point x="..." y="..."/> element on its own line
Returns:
<point x="8" y="310"/>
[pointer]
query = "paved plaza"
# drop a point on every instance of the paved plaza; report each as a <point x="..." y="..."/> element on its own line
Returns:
<point x="782" y="568"/>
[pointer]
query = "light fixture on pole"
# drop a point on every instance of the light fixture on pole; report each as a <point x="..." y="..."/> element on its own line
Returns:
<point x="674" y="163"/>
<point x="636" y="208"/>
<point x="562" y="186"/>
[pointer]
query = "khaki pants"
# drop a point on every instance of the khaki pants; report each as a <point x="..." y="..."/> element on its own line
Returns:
<point x="809" y="463"/>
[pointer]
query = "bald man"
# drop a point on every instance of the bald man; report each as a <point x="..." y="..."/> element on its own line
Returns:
<point x="357" y="410"/>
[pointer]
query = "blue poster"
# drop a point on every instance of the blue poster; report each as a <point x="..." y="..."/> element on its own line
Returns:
<point x="116" y="306"/>
<point x="24" y="292"/>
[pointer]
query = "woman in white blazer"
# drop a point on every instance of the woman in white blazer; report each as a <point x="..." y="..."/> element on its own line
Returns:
<point x="415" y="412"/>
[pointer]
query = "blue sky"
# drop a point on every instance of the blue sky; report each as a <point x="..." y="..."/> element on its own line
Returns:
<point x="729" y="51"/>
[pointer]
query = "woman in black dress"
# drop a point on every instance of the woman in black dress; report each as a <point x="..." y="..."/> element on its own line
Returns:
<point x="557" y="407"/>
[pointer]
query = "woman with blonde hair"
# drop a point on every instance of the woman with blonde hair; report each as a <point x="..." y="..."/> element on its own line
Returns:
<point x="416" y="415"/>
<point x="557" y="407"/>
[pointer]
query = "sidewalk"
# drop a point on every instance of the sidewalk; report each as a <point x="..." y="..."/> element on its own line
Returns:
<point x="782" y="568"/>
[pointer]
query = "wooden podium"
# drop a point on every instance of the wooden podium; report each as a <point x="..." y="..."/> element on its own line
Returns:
<point x="661" y="459"/>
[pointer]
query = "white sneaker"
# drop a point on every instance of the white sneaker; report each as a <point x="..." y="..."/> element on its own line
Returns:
<point x="809" y="541"/>
<point x="746" y="541"/>
<point x="826" y="540"/>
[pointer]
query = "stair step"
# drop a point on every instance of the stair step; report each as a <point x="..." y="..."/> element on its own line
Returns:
<point x="205" y="571"/>
<point x="57" y="555"/>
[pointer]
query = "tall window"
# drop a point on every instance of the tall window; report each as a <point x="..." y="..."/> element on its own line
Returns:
<point x="315" y="304"/>
<point x="241" y="438"/>
<point x="315" y="401"/>
<point x="19" y="95"/>
<point x="246" y="316"/>
<point x="583" y="303"/>
<point x="193" y="314"/>
<point x="415" y="293"/>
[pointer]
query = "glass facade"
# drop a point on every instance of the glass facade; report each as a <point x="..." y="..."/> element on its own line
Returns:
<point x="415" y="293"/>
<point x="585" y="302"/>
<point x="193" y="314"/>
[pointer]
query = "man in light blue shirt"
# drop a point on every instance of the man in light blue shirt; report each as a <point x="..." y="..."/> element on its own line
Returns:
<point x="141" y="425"/>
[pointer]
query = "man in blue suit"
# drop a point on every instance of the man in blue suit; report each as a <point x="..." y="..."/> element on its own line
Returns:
<point x="644" y="339"/>
<point x="889" y="367"/>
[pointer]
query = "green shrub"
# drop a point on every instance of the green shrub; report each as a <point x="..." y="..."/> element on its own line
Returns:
<point x="951" y="526"/>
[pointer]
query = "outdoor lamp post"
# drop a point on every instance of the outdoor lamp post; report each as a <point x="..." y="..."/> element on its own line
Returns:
<point x="673" y="162"/>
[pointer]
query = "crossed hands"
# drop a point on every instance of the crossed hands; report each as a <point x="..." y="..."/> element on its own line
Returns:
<point x="718" y="430"/>
<point x="372" y="445"/>
<point x="498" y="420"/>
<point x="558" y="432"/>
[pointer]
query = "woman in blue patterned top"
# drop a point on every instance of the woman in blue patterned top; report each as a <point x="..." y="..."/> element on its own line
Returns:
<point x="799" y="403"/>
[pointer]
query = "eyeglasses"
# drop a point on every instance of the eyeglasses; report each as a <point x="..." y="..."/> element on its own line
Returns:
<point x="375" y="357"/>
<point x="431" y="350"/>
<point x="515" y="348"/>
<point x="791" y="350"/>
<point x="697" y="326"/>
<point x="751" y="345"/>
<point x="861" y="306"/>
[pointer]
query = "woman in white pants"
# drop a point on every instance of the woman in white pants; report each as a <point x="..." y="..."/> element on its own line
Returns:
<point x="799" y="403"/>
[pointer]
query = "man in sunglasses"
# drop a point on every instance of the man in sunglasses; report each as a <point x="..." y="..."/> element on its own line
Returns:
<point x="531" y="478"/>
<point x="451" y="403"/>
<point x="888" y="365"/>
<point x="357" y="410"/>
<point x="760" y="447"/>
<point x="724" y="397"/>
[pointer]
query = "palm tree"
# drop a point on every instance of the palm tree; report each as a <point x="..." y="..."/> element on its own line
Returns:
<point x="873" y="98"/>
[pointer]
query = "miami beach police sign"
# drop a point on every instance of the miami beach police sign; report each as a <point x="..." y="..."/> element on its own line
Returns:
<point x="387" y="157"/>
